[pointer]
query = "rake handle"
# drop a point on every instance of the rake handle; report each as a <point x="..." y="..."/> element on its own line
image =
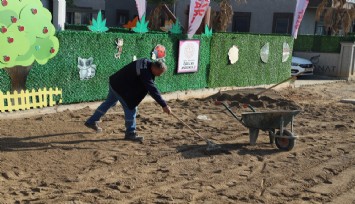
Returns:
<point x="292" y="77"/>
<point x="188" y="126"/>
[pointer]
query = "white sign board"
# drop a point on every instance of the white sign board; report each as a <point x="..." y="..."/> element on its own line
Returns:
<point x="350" y="1"/>
<point x="188" y="56"/>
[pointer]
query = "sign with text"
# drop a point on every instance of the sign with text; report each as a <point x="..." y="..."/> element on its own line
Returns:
<point x="188" y="56"/>
<point x="198" y="10"/>
<point x="301" y="7"/>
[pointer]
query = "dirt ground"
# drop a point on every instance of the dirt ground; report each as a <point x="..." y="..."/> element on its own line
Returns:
<point x="54" y="158"/>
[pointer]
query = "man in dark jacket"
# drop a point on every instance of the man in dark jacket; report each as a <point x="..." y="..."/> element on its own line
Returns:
<point x="129" y="86"/>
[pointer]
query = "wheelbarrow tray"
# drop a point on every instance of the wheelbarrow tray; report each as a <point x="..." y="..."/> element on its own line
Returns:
<point x="269" y="119"/>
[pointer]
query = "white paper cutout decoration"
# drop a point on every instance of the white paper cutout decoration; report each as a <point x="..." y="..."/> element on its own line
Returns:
<point x="233" y="54"/>
<point x="285" y="52"/>
<point x="119" y="44"/>
<point x="86" y="67"/>
<point x="264" y="52"/>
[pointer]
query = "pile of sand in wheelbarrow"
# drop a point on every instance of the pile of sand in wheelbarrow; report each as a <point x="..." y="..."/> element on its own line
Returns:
<point x="270" y="100"/>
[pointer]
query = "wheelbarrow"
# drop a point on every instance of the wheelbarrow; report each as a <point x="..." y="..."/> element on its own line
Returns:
<point x="268" y="121"/>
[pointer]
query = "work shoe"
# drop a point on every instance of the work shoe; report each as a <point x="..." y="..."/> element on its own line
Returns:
<point x="95" y="126"/>
<point x="134" y="137"/>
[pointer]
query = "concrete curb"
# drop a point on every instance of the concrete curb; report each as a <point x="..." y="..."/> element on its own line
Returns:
<point x="181" y="95"/>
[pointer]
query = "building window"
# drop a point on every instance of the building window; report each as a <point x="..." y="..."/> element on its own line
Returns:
<point x="122" y="17"/>
<point x="319" y="28"/>
<point x="81" y="15"/>
<point x="241" y="21"/>
<point x="282" y="23"/>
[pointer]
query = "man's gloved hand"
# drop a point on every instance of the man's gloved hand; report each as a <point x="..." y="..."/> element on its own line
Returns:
<point x="167" y="109"/>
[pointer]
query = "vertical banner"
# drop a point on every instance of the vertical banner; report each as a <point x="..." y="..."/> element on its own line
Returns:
<point x="141" y="7"/>
<point x="301" y="7"/>
<point x="198" y="10"/>
<point x="188" y="56"/>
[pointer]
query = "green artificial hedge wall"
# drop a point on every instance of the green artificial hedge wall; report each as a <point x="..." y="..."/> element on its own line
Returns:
<point x="249" y="70"/>
<point x="5" y="81"/>
<point x="318" y="43"/>
<point x="62" y="71"/>
<point x="214" y="68"/>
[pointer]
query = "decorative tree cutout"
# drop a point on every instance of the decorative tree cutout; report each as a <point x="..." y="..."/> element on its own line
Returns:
<point x="176" y="28"/>
<point x="142" y="26"/>
<point x="131" y="24"/>
<point x="98" y="25"/>
<point x="208" y="31"/>
<point x="26" y="35"/>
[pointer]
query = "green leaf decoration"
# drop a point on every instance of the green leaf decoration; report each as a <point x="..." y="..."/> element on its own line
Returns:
<point x="142" y="26"/>
<point x="98" y="25"/>
<point x="208" y="31"/>
<point x="176" y="29"/>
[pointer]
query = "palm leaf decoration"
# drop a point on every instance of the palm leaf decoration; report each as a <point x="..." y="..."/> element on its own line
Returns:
<point x="98" y="25"/>
<point x="142" y="26"/>
<point x="176" y="28"/>
<point x="208" y="31"/>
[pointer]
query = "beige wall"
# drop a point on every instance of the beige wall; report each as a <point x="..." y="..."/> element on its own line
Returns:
<point x="326" y="65"/>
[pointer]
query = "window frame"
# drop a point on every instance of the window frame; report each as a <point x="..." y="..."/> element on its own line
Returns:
<point x="241" y="14"/>
<point x="276" y="16"/>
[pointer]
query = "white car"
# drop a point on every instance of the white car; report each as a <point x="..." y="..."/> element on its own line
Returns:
<point x="301" y="66"/>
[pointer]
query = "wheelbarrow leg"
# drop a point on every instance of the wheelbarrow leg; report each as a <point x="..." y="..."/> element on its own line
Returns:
<point x="272" y="136"/>
<point x="253" y="135"/>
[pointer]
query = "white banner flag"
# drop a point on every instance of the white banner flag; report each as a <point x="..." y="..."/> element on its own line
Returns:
<point x="301" y="7"/>
<point x="198" y="10"/>
<point x="141" y="7"/>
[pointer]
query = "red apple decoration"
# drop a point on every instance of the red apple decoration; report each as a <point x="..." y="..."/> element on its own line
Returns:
<point x="34" y="11"/>
<point x="52" y="50"/>
<point x="21" y="28"/>
<point x="13" y="19"/>
<point x="3" y="29"/>
<point x="6" y="58"/>
<point x="45" y="30"/>
<point x="10" y="40"/>
<point x="4" y="3"/>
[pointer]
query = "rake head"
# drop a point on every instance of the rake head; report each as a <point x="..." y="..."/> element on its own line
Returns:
<point x="211" y="146"/>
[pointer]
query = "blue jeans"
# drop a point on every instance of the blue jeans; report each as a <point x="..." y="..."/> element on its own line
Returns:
<point x="111" y="100"/>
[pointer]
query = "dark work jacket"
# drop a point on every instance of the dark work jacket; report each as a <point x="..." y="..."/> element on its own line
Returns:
<point x="134" y="81"/>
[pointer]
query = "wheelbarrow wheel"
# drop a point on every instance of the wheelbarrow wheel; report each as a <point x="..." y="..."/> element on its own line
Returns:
<point x="285" y="144"/>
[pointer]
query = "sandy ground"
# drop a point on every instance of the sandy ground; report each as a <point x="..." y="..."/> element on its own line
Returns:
<point x="55" y="159"/>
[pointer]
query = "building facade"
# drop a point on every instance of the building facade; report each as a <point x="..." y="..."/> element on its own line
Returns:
<point x="254" y="16"/>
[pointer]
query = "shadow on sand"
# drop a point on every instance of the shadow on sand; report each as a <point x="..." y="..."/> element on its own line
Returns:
<point x="195" y="151"/>
<point x="27" y="143"/>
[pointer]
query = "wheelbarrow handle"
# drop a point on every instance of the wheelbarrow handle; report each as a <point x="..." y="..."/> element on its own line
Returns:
<point x="245" y="105"/>
<point x="229" y="110"/>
